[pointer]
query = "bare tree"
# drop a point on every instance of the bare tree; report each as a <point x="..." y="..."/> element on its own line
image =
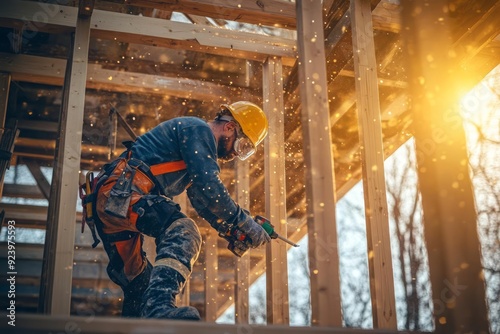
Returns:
<point x="355" y="285"/>
<point x="299" y="285"/>
<point x="409" y="253"/>
<point x="482" y="121"/>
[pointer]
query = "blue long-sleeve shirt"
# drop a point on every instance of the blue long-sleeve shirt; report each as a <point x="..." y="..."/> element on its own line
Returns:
<point x="190" y="139"/>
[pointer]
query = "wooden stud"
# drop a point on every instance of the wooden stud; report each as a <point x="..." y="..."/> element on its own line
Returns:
<point x="185" y="295"/>
<point x="450" y="219"/>
<point x="183" y="298"/>
<point x="211" y="272"/>
<point x="85" y="8"/>
<point x="318" y="158"/>
<point x="4" y="97"/>
<point x="372" y="157"/>
<point x="242" y="272"/>
<point x="275" y="185"/>
<point x="55" y="288"/>
<point x="5" y="143"/>
<point x="149" y="247"/>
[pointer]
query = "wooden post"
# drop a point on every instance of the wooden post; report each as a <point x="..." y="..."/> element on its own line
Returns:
<point x="450" y="220"/>
<point x="184" y="297"/>
<point x="372" y="158"/>
<point x="275" y="186"/>
<point x="211" y="272"/>
<point x="318" y="157"/>
<point x="149" y="247"/>
<point x="55" y="286"/>
<point x="242" y="275"/>
<point x="4" y="98"/>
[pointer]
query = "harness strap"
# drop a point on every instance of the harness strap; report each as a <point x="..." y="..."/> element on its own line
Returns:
<point x="157" y="169"/>
<point x="168" y="167"/>
<point x="119" y="236"/>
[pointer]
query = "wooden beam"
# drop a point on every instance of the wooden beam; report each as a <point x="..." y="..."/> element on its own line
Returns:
<point x="450" y="219"/>
<point x="22" y="190"/>
<point x="151" y="31"/>
<point x="476" y="38"/>
<point x="51" y="71"/>
<point x="211" y="272"/>
<point x="159" y="32"/>
<point x="381" y="81"/>
<point x="156" y="29"/>
<point x="33" y="68"/>
<point x="45" y="149"/>
<point x="242" y="270"/>
<point x="28" y="213"/>
<point x="38" y="17"/>
<point x="37" y="324"/>
<point x="29" y="251"/>
<point x="7" y="137"/>
<point x="45" y="126"/>
<point x="275" y="13"/>
<point x="275" y="186"/>
<point x="55" y="287"/>
<point x="372" y="157"/>
<point x="320" y="181"/>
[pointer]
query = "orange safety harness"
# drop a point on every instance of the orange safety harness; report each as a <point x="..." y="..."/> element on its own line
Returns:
<point x="167" y="167"/>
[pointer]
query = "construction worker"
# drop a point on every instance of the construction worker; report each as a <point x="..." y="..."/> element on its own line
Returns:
<point x="134" y="197"/>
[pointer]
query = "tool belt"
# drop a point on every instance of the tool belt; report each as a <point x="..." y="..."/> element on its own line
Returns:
<point x="122" y="182"/>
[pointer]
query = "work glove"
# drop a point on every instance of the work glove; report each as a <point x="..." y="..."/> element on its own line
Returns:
<point x="254" y="231"/>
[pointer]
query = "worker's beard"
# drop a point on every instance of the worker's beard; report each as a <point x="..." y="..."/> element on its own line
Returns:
<point x="223" y="153"/>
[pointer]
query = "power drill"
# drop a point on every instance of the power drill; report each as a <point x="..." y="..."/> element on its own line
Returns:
<point x="239" y="242"/>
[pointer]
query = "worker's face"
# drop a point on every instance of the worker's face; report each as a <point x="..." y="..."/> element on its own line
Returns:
<point x="225" y="145"/>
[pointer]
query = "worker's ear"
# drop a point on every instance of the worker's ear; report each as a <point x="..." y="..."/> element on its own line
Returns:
<point x="229" y="126"/>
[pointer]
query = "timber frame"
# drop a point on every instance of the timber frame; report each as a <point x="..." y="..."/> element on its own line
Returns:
<point x="334" y="79"/>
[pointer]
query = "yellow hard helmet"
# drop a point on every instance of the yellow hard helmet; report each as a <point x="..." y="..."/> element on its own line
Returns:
<point x="251" y="118"/>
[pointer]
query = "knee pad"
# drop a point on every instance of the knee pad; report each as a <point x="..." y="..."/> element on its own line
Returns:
<point x="156" y="214"/>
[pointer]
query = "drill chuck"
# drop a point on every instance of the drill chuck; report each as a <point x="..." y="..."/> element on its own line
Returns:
<point x="269" y="228"/>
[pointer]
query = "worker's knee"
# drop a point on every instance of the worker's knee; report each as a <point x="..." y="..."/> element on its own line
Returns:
<point x="156" y="214"/>
<point x="180" y="241"/>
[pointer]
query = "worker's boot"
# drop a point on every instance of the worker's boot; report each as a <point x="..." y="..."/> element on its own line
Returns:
<point x="177" y="248"/>
<point x="133" y="292"/>
<point x="159" y="299"/>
